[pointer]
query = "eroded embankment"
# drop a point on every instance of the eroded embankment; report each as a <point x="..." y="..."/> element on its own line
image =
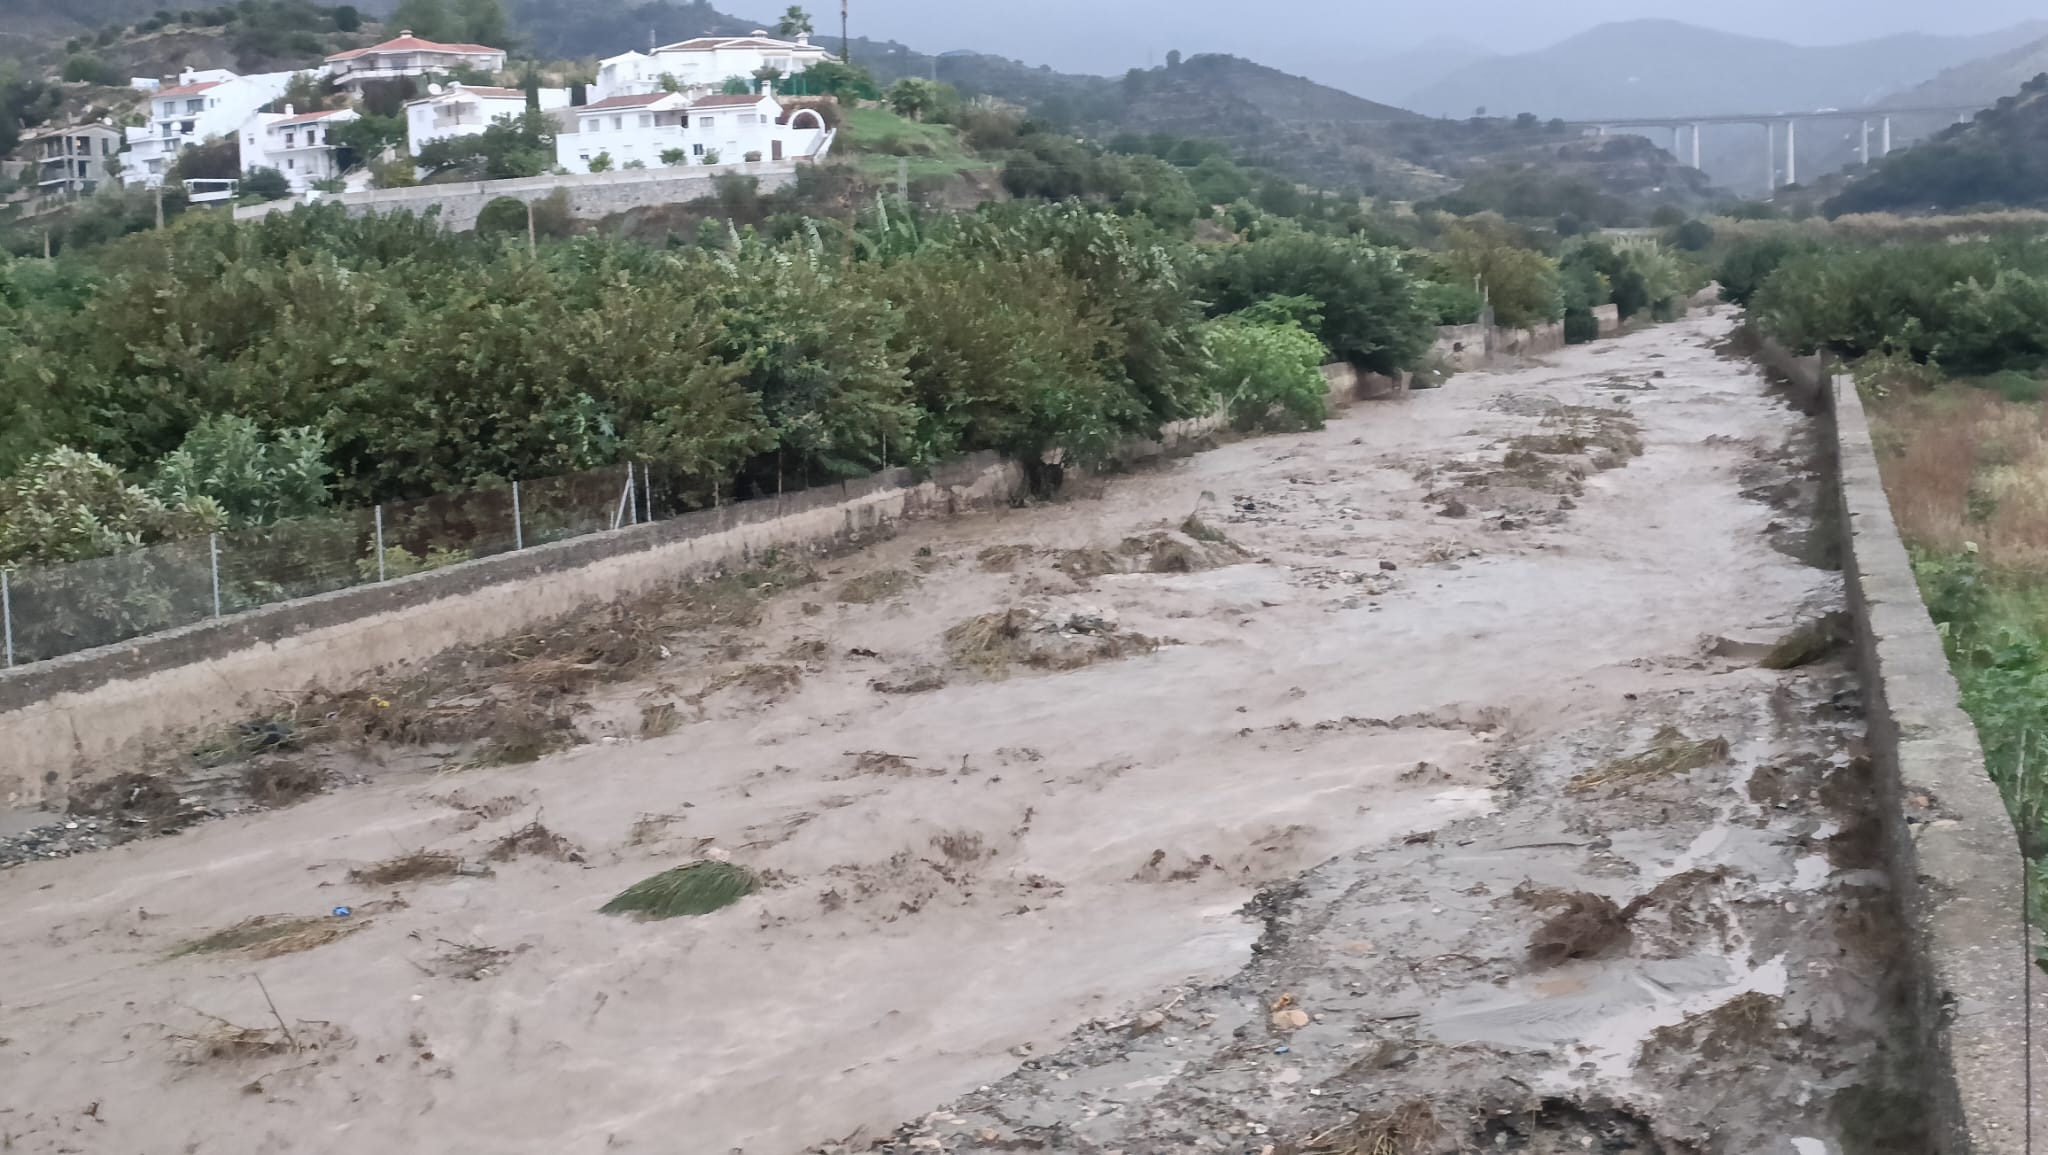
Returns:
<point x="1466" y="689"/>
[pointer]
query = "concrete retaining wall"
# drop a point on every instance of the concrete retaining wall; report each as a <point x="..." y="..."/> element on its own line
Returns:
<point x="591" y="196"/>
<point x="101" y="711"/>
<point x="1950" y="846"/>
<point x="1465" y="348"/>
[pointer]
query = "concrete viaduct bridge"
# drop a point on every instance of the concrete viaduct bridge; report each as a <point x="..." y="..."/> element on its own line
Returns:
<point x="1879" y="119"/>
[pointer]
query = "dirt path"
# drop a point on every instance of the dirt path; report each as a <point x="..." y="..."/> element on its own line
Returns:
<point x="1027" y="895"/>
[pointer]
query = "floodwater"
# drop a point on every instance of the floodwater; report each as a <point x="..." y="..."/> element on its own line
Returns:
<point x="1373" y="720"/>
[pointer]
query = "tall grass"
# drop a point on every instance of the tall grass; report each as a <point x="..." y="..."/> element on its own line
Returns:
<point x="1967" y="473"/>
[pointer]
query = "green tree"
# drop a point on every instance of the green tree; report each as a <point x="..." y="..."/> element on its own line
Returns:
<point x="265" y="184"/>
<point x="1267" y="373"/>
<point x="1373" y="315"/>
<point x="252" y="477"/>
<point x="509" y="148"/>
<point x="914" y="97"/>
<point x="795" y="22"/>
<point x="427" y="19"/>
<point x="483" y="22"/>
<point x="82" y="68"/>
<point x="1520" y="283"/>
<point x="602" y="162"/>
<point x="346" y="18"/>
<point x="65" y="505"/>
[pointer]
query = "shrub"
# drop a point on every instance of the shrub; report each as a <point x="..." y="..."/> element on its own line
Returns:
<point x="1373" y="316"/>
<point x="265" y="184"/>
<point x="1267" y="374"/>
<point x="602" y="162"/>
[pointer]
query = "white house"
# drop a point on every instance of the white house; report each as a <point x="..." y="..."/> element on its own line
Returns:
<point x="200" y="106"/>
<point x="465" y="110"/>
<point x="703" y="65"/>
<point x="299" y="145"/>
<point x="724" y="129"/>
<point x="408" y="55"/>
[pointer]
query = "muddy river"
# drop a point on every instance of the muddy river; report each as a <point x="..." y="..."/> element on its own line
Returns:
<point x="1418" y="784"/>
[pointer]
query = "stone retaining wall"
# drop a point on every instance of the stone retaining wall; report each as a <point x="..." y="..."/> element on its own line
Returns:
<point x="591" y="196"/>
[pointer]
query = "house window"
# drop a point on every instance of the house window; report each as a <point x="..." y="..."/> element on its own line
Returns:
<point x="289" y="163"/>
<point x="646" y="119"/>
<point x="195" y="106"/>
<point x="704" y="121"/>
<point x="185" y="127"/>
<point x="697" y="149"/>
<point x="618" y="122"/>
<point x="592" y="124"/>
<point x="290" y="138"/>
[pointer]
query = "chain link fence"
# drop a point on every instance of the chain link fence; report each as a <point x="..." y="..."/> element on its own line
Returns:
<point x="49" y="611"/>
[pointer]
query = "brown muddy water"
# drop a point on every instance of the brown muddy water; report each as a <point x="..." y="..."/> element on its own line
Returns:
<point x="1444" y="806"/>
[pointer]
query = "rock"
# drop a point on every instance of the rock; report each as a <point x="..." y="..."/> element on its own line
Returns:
<point x="1291" y="1019"/>
<point x="1148" y="1022"/>
<point x="1388" y="567"/>
<point x="1453" y="508"/>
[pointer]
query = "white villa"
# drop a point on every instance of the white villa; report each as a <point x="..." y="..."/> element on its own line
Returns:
<point x="299" y="145"/>
<point x="465" y="110"/>
<point x="703" y="65"/>
<point x="200" y="106"/>
<point x="408" y="55"/>
<point x="731" y="129"/>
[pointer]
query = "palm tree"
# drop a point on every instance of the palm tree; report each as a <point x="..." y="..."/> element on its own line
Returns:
<point x="795" y="22"/>
<point x="913" y="97"/>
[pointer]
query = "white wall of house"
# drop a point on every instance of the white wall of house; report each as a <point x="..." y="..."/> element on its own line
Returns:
<point x="202" y="105"/>
<point x="462" y="110"/>
<point x="408" y="55"/>
<point x="643" y="128"/>
<point x="300" y="146"/>
<point x="702" y="65"/>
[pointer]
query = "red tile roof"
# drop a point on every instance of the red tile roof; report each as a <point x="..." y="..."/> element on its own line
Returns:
<point x="637" y="100"/>
<point x="410" y="43"/>
<point x="186" y="89"/>
<point x="727" y="100"/>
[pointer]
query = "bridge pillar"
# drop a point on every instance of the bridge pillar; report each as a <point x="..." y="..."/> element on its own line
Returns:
<point x="1863" y="145"/>
<point x="1695" y="146"/>
<point x="1791" y="152"/>
<point x="1770" y="157"/>
<point x="1886" y="148"/>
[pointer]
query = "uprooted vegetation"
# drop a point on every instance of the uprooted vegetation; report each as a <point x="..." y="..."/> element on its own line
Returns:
<point x="1042" y="638"/>
<point x="1670" y="753"/>
<point x="271" y="935"/>
<point x="415" y="866"/>
<point x="533" y="840"/>
<point x="1540" y="472"/>
<point x="1410" y="1129"/>
<point x="516" y="699"/>
<point x="694" y="889"/>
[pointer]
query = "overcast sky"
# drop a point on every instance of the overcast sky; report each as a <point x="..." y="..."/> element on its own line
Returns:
<point x="1109" y="36"/>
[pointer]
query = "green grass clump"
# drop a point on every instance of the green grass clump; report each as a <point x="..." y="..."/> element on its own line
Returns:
<point x="699" y="888"/>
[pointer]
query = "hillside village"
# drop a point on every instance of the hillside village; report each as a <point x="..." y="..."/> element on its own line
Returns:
<point x="707" y="101"/>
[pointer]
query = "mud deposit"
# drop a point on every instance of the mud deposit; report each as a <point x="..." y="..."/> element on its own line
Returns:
<point x="1416" y="785"/>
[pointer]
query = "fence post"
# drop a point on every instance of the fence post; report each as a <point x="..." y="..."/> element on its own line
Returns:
<point x="632" y="495"/>
<point x="518" y="526"/>
<point x="213" y="558"/>
<point x="7" y="616"/>
<point x="380" y="543"/>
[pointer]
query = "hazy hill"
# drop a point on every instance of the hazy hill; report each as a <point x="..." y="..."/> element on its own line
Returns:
<point x="1667" y="68"/>
<point x="1984" y="80"/>
<point x="2000" y="158"/>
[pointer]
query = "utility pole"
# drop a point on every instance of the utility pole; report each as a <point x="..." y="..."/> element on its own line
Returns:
<point x="845" y="39"/>
<point x="159" y="207"/>
<point x="531" y="250"/>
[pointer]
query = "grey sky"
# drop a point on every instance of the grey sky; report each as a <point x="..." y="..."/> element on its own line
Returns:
<point x="1109" y="36"/>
